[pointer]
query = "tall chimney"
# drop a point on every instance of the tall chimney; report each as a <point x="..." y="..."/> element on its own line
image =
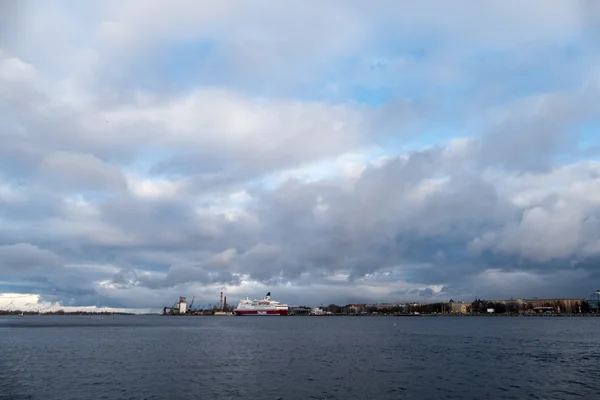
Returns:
<point x="225" y="304"/>
<point x="221" y="301"/>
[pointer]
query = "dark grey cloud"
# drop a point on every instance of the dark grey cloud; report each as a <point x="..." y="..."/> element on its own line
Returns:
<point x="363" y="237"/>
<point x="420" y="220"/>
<point x="22" y="256"/>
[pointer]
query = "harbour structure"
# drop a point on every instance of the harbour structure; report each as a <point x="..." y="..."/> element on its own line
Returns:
<point x="223" y="308"/>
<point x="264" y="306"/>
<point x="182" y="305"/>
<point x="179" y="308"/>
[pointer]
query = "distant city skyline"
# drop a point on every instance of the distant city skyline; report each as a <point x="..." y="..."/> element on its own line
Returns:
<point x="329" y="153"/>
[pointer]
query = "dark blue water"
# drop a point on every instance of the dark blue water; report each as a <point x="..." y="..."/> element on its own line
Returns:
<point x="299" y="358"/>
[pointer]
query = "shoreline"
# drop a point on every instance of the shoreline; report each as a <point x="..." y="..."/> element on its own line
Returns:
<point x="334" y="315"/>
<point x="65" y="314"/>
<point x="5" y="313"/>
<point x="453" y="315"/>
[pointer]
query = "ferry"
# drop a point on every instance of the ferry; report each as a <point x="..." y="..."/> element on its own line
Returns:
<point x="265" y="306"/>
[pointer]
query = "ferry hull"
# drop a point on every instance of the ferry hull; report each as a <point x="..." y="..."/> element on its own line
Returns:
<point x="261" y="312"/>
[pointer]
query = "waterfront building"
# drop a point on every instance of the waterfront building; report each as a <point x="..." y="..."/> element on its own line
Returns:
<point x="559" y="305"/>
<point x="459" y="307"/>
<point x="512" y="306"/>
<point x="300" y="310"/>
<point x="593" y="301"/>
<point x="356" y="308"/>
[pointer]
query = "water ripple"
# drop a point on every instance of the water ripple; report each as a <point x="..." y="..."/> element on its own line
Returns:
<point x="298" y="358"/>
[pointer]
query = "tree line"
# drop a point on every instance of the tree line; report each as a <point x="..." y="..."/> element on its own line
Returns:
<point x="479" y="306"/>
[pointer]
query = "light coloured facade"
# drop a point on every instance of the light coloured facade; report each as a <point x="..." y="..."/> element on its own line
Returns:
<point x="458" y="307"/>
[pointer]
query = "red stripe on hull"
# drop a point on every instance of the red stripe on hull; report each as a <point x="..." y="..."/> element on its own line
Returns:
<point x="261" y="312"/>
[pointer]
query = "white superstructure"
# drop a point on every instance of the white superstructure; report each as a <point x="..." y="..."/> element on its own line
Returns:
<point x="265" y="306"/>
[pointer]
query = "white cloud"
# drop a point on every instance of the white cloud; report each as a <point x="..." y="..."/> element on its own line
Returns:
<point x="154" y="187"/>
<point x="33" y="303"/>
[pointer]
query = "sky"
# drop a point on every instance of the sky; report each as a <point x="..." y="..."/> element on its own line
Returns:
<point x="336" y="152"/>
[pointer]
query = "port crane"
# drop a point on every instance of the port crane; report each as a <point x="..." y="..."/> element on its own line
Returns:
<point x="190" y="310"/>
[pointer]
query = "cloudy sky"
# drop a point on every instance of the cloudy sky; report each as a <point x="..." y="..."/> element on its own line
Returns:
<point x="334" y="152"/>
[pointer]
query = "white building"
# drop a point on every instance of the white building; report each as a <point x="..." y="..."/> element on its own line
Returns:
<point x="182" y="305"/>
